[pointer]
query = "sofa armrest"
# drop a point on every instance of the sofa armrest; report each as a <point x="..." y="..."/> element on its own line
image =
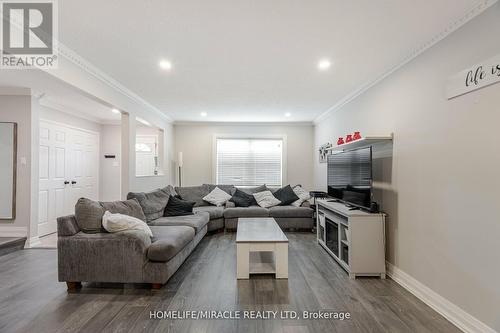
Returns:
<point x="103" y="257"/>
<point x="67" y="226"/>
<point x="230" y="204"/>
<point x="306" y="204"/>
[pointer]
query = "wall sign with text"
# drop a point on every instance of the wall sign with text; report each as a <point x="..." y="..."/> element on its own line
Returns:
<point x="474" y="78"/>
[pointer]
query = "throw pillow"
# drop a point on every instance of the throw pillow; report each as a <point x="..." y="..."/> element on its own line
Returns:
<point x="302" y="194"/>
<point x="252" y="190"/>
<point x="152" y="203"/>
<point x="266" y="199"/>
<point x="242" y="199"/>
<point x="178" y="207"/>
<point x="88" y="213"/>
<point x="217" y="197"/>
<point x="194" y="193"/>
<point x="286" y="195"/>
<point x="120" y="222"/>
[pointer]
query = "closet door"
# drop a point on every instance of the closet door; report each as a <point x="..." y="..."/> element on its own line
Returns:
<point x="68" y="170"/>
<point x="53" y="176"/>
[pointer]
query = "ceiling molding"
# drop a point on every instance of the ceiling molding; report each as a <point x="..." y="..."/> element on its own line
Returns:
<point x="89" y="68"/>
<point x="233" y="123"/>
<point x="458" y="23"/>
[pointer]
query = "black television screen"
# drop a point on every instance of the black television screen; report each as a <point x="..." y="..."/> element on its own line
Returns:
<point x="350" y="177"/>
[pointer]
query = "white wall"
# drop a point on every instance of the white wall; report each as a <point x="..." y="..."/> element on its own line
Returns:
<point x="17" y="108"/>
<point x="196" y="142"/>
<point x="47" y="113"/>
<point x="110" y="170"/>
<point x="443" y="227"/>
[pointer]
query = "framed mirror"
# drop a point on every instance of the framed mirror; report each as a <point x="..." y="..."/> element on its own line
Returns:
<point x="8" y="166"/>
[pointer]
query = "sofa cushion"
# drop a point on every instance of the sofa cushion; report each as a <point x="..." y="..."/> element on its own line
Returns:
<point x="252" y="211"/>
<point x="243" y="199"/>
<point x="169" y="189"/>
<point x="152" y="203"/>
<point x="217" y="197"/>
<point x="229" y="189"/>
<point x="88" y="213"/>
<point x="194" y="193"/>
<point x="196" y="221"/>
<point x="168" y="241"/>
<point x="290" y="211"/>
<point x="266" y="199"/>
<point x="286" y="195"/>
<point x="213" y="211"/>
<point x="178" y="207"/>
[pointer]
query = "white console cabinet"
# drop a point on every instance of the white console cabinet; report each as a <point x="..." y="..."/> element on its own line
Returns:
<point x="354" y="238"/>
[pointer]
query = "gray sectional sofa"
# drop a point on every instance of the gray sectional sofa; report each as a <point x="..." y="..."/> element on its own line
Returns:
<point x="86" y="252"/>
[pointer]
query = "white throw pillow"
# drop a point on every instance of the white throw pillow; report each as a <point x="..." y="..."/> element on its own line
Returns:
<point x="302" y="194"/>
<point x="120" y="222"/>
<point x="266" y="199"/>
<point x="217" y="197"/>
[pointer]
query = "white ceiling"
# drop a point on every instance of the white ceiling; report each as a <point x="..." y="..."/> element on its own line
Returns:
<point x="251" y="60"/>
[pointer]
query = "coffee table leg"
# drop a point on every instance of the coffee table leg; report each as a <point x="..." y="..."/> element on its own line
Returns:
<point x="281" y="255"/>
<point x="242" y="260"/>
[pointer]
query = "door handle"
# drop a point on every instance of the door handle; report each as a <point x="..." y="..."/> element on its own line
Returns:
<point x="66" y="182"/>
<point x="73" y="182"/>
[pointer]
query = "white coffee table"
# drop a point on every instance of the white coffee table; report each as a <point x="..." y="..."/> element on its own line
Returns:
<point x="261" y="248"/>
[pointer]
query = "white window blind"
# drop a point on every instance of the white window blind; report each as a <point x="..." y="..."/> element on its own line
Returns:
<point x="249" y="162"/>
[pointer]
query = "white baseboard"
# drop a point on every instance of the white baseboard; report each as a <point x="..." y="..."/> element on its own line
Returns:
<point x="463" y="320"/>
<point x="8" y="231"/>
<point x="33" y="241"/>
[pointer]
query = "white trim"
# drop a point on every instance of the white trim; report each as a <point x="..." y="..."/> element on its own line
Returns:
<point x="32" y="242"/>
<point x="469" y="15"/>
<point x="460" y="318"/>
<point x="235" y="123"/>
<point x="9" y="231"/>
<point x="284" y="155"/>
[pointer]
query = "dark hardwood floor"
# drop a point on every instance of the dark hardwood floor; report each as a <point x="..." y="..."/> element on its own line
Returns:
<point x="31" y="299"/>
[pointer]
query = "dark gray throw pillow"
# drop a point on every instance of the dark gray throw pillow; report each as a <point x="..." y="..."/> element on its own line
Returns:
<point x="242" y="199"/>
<point x="286" y="195"/>
<point x="194" y="193"/>
<point x="178" y="207"/>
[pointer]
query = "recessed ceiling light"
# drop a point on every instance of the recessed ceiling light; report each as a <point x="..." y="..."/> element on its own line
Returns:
<point x="165" y="64"/>
<point x="203" y="114"/>
<point x="288" y="114"/>
<point x="115" y="111"/>
<point x="324" y="64"/>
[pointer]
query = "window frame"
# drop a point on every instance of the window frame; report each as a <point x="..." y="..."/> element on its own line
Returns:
<point x="284" y="158"/>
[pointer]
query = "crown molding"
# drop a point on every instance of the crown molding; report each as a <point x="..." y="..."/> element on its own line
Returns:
<point x="92" y="70"/>
<point x="242" y="123"/>
<point x="455" y="25"/>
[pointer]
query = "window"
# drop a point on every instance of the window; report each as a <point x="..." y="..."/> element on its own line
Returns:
<point x="146" y="155"/>
<point x="249" y="162"/>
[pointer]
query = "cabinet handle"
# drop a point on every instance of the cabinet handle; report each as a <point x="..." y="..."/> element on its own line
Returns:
<point x="66" y="182"/>
<point x="73" y="182"/>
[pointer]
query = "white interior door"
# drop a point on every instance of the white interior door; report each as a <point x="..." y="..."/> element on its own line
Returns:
<point x="68" y="170"/>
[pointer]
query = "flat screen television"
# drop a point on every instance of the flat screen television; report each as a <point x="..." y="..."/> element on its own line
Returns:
<point x="350" y="177"/>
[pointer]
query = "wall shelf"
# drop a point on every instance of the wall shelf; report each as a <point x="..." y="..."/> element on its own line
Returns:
<point x="361" y="143"/>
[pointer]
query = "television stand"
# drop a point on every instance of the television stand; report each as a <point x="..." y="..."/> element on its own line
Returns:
<point x="354" y="238"/>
